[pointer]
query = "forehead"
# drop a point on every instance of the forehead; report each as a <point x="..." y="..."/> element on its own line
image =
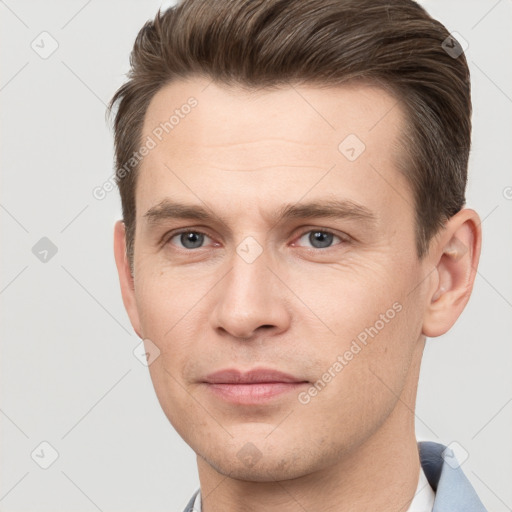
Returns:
<point x="316" y="118"/>
<point x="209" y="137"/>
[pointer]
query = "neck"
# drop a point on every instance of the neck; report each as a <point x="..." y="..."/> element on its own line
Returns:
<point x="381" y="474"/>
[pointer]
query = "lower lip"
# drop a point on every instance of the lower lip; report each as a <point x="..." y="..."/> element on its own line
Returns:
<point x="254" y="393"/>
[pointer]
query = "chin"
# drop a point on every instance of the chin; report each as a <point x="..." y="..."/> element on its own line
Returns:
<point x="258" y="473"/>
<point x="250" y="466"/>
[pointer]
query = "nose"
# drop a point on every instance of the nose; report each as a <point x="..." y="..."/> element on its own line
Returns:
<point x="251" y="300"/>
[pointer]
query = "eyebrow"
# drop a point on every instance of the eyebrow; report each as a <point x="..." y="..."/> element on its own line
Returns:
<point x="329" y="208"/>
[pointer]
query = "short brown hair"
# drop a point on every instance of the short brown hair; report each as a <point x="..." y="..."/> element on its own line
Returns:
<point x="269" y="43"/>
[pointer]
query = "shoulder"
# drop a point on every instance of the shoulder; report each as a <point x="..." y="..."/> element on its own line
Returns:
<point x="453" y="490"/>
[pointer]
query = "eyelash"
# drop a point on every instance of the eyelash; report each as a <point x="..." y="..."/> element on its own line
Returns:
<point x="345" y="239"/>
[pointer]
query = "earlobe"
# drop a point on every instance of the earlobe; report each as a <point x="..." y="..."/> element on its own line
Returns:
<point x="125" y="276"/>
<point x="459" y="252"/>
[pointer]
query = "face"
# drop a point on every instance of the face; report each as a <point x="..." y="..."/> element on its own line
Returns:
<point x="275" y="272"/>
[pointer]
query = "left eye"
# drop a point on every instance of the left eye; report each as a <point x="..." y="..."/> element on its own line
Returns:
<point x="319" y="239"/>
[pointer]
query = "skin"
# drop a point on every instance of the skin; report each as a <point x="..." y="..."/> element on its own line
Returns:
<point x="297" y="306"/>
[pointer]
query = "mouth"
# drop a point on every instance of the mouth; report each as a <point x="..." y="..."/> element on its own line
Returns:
<point x="253" y="387"/>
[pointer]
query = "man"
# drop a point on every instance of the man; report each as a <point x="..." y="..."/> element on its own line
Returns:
<point x="292" y="177"/>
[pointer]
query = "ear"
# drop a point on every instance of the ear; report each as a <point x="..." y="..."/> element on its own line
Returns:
<point x="125" y="276"/>
<point x="457" y="252"/>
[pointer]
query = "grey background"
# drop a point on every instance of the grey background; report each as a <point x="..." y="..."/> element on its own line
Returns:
<point x="68" y="375"/>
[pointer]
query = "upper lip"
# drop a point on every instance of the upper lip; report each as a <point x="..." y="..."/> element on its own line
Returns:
<point x="258" y="375"/>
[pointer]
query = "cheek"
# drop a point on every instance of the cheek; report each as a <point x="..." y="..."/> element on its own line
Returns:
<point x="164" y="300"/>
<point x="173" y="309"/>
<point x="359" y="377"/>
<point x="168" y="316"/>
<point x="367" y="325"/>
<point x="163" y="311"/>
<point x="350" y="297"/>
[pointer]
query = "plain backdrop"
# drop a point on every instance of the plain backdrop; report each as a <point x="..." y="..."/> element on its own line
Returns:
<point x="69" y="378"/>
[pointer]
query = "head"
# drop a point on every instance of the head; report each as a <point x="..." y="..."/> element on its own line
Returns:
<point x="298" y="206"/>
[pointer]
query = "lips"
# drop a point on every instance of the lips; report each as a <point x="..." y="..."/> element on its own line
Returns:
<point x="253" y="387"/>
<point x="263" y="375"/>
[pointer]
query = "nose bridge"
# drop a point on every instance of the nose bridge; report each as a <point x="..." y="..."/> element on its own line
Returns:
<point x="250" y="270"/>
<point x="249" y="280"/>
<point x="249" y="298"/>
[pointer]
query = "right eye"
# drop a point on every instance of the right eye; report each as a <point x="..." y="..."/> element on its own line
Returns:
<point x="188" y="239"/>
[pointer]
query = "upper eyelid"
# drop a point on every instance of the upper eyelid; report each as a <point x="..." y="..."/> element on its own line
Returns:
<point x="172" y="234"/>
